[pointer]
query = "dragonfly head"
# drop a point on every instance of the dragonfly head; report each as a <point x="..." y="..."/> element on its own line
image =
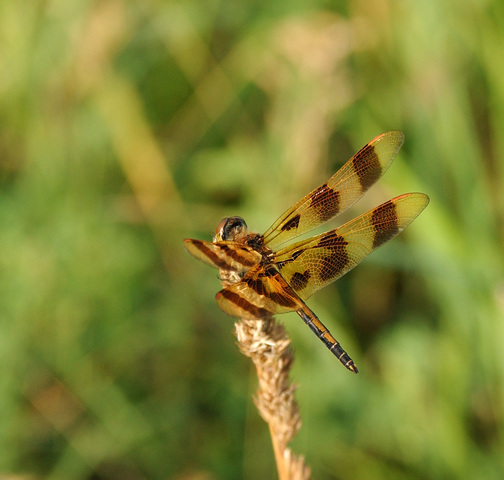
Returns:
<point x="230" y="229"/>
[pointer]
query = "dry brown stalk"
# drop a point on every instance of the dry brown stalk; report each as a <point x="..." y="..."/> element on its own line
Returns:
<point x="267" y="344"/>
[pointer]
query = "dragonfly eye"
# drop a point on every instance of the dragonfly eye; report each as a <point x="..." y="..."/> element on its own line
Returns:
<point x="230" y="228"/>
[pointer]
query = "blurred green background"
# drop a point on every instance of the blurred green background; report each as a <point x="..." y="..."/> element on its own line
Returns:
<point x="126" y="126"/>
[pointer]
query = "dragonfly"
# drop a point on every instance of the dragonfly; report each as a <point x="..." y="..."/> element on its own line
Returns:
<point x="262" y="275"/>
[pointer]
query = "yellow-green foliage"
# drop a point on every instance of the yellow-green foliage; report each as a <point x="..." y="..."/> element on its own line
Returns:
<point x="126" y="126"/>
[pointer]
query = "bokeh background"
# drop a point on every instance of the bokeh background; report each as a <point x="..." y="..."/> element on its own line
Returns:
<point x="126" y="126"/>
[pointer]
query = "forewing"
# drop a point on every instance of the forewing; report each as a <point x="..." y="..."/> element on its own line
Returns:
<point x="224" y="255"/>
<point x="261" y="293"/>
<point x="343" y="189"/>
<point x="314" y="263"/>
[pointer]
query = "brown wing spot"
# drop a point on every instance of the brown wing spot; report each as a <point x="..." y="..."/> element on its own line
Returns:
<point x="367" y="166"/>
<point x="235" y="255"/>
<point x="293" y="257"/>
<point x="299" y="280"/>
<point x="258" y="286"/>
<point x="332" y="240"/>
<point x="384" y="221"/>
<point x="337" y="259"/>
<point x="255" y="284"/>
<point x="284" y="300"/>
<point x="292" y="223"/>
<point x="214" y="258"/>
<point x="244" y="304"/>
<point x="296" y="254"/>
<point x="325" y="202"/>
<point x="269" y="272"/>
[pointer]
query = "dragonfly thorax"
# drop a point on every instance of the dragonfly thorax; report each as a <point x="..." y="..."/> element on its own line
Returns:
<point x="235" y="230"/>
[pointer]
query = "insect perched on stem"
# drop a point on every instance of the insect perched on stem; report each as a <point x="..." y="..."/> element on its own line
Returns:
<point x="261" y="280"/>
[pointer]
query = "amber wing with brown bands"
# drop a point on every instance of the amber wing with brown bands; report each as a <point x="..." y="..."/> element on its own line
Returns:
<point x="341" y="191"/>
<point x="224" y="255"/>
<point x="312" y="264"/>
<point x="261" y="293"/>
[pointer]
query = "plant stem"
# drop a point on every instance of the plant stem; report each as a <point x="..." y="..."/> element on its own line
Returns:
<point x="267" y="344"/>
